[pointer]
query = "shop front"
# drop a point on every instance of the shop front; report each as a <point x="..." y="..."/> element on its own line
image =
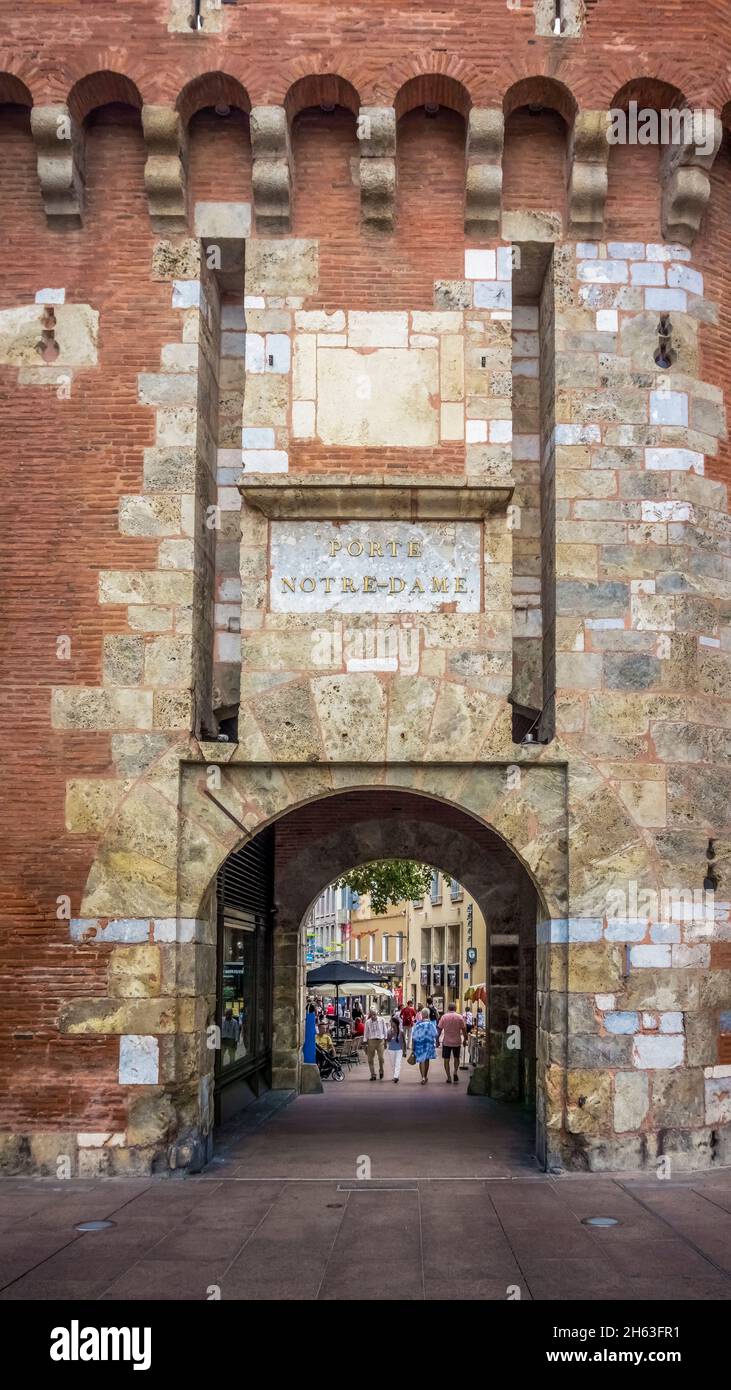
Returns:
<point x="244" y="978"/>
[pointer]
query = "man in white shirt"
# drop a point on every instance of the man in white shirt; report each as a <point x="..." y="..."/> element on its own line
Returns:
<point x="375" y="1037"/>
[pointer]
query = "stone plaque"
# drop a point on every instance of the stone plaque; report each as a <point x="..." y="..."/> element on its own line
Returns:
<point x="375" y="567"/>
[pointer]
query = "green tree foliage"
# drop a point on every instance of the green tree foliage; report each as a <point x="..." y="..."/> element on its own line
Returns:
<point x="389" y="881"/>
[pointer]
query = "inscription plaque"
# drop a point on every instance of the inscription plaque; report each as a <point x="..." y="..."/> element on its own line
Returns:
<point x="375" y="567"/>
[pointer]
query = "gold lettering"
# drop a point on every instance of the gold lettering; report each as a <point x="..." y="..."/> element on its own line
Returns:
<point x="369" y="584"/>
<point x="288" y="585"/>
<point x="417" y="587"/>
<point x="355" y="548"/>
<point x="327" y="581"/>
<point x="307" y="584"/>
<point x="459" y="585"/>
<point x="375" y="548"/>
<point x="439" y="585"/>
<point x="414" y="549"/>
<point x="335" y="546"/>
<point x="348" y="586"/>
<point x="392" y="585"/>
<point x="393" y="547"/>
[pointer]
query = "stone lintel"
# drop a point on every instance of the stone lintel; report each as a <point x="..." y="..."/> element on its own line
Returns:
<point x="165" y="172"/>
<point x="272" y="168"/>
<point x="59" y="145"/>
<point x="588" y="181"/>
<point x="360" y="497"/>
<point x="484" y="172"/>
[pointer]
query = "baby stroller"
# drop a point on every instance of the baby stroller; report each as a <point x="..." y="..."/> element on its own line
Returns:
<point x="330" y="1068"/>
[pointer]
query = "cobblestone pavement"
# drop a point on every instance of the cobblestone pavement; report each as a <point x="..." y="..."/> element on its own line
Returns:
<point x="454" y="1196"/>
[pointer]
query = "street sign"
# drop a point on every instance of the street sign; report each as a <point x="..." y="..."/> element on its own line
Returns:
<point x="471" y="955"/>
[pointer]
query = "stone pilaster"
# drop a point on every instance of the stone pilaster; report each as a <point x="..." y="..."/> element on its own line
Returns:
<point x="377" y="135"/>
<point x="484" y="175"/>
<point x="60" y="152"/>
<point x="165" y="171"/>
<point x="588" y="180"/>
<point x="272" y="169"/>
<point x="686" y="180"/>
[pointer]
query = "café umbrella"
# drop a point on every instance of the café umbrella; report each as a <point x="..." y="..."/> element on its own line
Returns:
<point x="342" y="975"/>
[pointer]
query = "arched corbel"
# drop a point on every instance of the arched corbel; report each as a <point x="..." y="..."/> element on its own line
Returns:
<point x="59" y="142"/>
<point x="377" y="136"/>
<point x="686" y="179"/>
<point x="165" y="167"/>
<point x="484" y="173"/>
<point x="588" y="181"/>
<point x="272" y="168"/>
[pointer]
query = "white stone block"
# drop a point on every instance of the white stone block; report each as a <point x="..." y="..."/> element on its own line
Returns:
<point x="233" y="344"/>
<point x="229" y="498"/>
<point x="626" y="250"/>
<point x="697" y="956"/>
<point x="607" y="320"/>
<point x="255" y="352"/>
<point x="718" y="1101"/>
<point x="278" y="352"/>
<point x="495" y="294"/>
<point x="526" y="366"/>
<point x="525" y="316"/>
<point x="319" y="321"/>
<point x="605" y="1001"/>
<point x="650" y="1022"/>
<point x="303" y="419"/>
<point x="480" y="265"/>
<point x="476" y="431"/>
<point x="50" y="296"/>
<point x="647" y="273"/>
<point x="229" y="588"/>
<point x="139" y="1060"/>
<point x="603" y="272"/>
<point x="526" y="448"/>
<point x="452" y="420"/>
<point x="265" y="461"/>
<point x="332" y="340"/>
<point x="671" y="1022"/>
<point x="652" y="1052"/>
<point x="501" y="431"/>
<point x="254" y="301"/>
<point x="668" y="408"/>
<point x="578" y="434"/>
<point x="661" y="252"/>
<point x="631" y="1100"/>
<point x="225" y="220"/>
<point x="604" y="624"/>
<point x="587" y="250"/>
<point x="666" y="300"/>
<point x="304" y="372"/>
<point x="667" y="511"/>
<point x="709" y="641"/>
<point x="682" y="277"/>
<point x="377" y="329"/>
<point x="680" y="460"/>
<point x="525" y="344"/>
<point x="233" y="318"/>
<point x="254" y="439"/>
<point x="650" y="957"/>
<point x="504" y="264"/>
<point x="227" y="647"/>
<point x="186" y="294"/>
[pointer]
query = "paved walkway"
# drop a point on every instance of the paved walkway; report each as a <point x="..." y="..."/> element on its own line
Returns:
<point x="455" y="1203"/>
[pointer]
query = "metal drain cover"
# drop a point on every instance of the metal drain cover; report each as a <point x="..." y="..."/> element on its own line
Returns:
<point x="94" y="1225"/>
<point x="600" y="1221"/>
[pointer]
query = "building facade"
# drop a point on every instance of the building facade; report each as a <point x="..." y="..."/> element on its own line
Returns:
<point x="365" y="374"/>
<point x="447" y="944"/>
<point x="327" y="927"/>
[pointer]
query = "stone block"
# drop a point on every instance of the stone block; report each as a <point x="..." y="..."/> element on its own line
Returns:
<point x="652" y="1051"/>
<point x="678" y="1099"/>
<point x="286" y="266"/>
<point x="589" y="1101"/>
<point x="631" y="1100"/>
<point x="93" y="709"/>
<point x="134" y="972"/>
<point x="139" y="1061"/>
<point x="223" y="220"/>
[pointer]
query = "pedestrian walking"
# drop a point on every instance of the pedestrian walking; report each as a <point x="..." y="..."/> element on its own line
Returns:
<point x="376" y="1032"/>
<point x="395" y="1046"/>
<point x="433" y="1011"/>
<point x="408" y="1019"/>
<point x="424" y="1040"/>
<point x="453" y="1034"/>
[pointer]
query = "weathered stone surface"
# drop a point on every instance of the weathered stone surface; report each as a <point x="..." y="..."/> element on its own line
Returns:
<point x="589" y="1101"/>
<point x="286" y="267"/>
<point x="631" y="1100"/>
<point x="134" y="972"/>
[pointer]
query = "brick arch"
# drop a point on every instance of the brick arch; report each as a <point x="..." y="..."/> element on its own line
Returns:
<point x="648" y="91"/>
<point x="437" y="87"/>
<point x="211" y="89"/>
<point x="541" y="91"/>
<point x="321" y="89"/>
<point x="13" y="91"/>
<point x="101" y="89"/>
